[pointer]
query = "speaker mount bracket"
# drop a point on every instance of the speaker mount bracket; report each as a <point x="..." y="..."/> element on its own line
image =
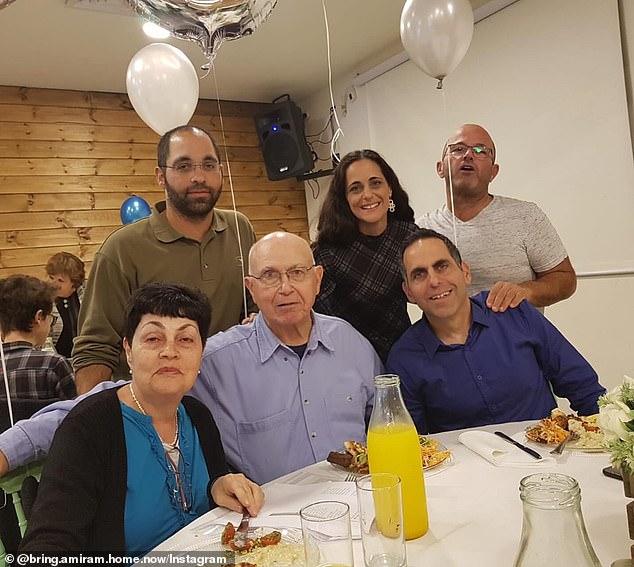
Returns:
<point x="314" y="174"/>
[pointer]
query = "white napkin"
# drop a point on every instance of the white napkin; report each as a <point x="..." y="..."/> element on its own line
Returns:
<point x="501" y="453"/>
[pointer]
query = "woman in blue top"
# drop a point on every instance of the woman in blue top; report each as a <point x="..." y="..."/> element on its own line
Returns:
<point x="131" y="466"/>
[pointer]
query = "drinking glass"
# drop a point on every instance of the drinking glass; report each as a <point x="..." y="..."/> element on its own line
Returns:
<point x="326" y="533"/>
<point x="381" y="519"/>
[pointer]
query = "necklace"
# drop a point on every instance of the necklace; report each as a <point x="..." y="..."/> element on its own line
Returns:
<point x="174" y="443"/>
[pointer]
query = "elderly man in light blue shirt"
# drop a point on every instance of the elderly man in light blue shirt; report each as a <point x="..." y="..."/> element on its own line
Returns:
<point x="284" y="389"/>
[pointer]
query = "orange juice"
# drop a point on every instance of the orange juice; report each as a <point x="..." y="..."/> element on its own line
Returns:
<point x="395" y="449"/>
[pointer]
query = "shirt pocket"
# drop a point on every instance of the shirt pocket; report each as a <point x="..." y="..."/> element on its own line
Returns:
<point x="264" y="446"/>
<point x="345" y="406"/>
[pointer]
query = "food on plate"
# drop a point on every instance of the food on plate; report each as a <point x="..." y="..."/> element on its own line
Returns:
<point x="432" y="452"/>
<point x="229" y="534"/>
<point x="558" y="426"/>
<point x="355" y="456"/>
<point x="263" y="550"/>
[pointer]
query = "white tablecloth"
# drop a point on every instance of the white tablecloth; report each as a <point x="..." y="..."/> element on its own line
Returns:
<point x="474" y="508"/>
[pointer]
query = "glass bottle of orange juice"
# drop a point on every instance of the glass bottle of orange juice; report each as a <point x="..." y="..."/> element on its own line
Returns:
<point x="393" y="448"/>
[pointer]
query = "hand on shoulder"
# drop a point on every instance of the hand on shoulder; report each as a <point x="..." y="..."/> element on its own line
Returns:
<point x="506" y="294"/>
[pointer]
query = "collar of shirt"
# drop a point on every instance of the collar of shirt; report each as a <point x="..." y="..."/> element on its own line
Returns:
<point x="165" y="233"/>
<point x="268" y="342"/>
<point x="17" y="345"/>
<point x="479" y="315"/>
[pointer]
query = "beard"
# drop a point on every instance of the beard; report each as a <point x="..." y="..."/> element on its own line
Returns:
<point x="193" y="207"/>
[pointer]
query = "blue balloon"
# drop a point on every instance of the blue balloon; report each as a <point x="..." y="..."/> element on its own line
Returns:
<point x="134" y="208"/>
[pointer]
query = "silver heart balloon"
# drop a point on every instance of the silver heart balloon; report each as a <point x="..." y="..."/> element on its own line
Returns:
<point x="207" y="22"/>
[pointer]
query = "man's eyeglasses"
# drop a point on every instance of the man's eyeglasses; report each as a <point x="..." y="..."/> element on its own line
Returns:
<point x="270" y="278"/>
<point x="177" y="483"/>
<point x="478" y="152"/>
<point x="188" y="167"/>
<point x="54" y="319"/>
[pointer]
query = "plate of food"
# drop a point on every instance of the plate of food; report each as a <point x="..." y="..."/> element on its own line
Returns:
<point x="586" y="434"/>
<point x="266" y="546"/>
<point x="354" y="457"/>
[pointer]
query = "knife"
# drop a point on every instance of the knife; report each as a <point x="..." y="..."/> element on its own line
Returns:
<point x="524" y="448"/>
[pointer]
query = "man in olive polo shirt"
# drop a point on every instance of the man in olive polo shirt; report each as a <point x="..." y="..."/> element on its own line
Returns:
<point x="185" y="240"/>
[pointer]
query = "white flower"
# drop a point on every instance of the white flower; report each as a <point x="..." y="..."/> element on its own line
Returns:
<point x="611" y="420"/>
<point x="614" y="412"/>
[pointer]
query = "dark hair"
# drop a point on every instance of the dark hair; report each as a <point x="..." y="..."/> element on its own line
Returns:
<point x="67" y="264"/>
<point x="424" y="234"/>
<point x="163" y="149"/>
<point x="168" y="300"/>
<point x="21" y="297"/>
<point x="337" y="225"/>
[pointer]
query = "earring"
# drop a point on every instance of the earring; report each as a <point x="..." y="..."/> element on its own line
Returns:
<point x="391" y="205"/>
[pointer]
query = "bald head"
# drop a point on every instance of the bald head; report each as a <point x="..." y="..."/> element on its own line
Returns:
<point x="281" y="246"/>
<point x="471" y="132"/>
<point x="286" y="299"/>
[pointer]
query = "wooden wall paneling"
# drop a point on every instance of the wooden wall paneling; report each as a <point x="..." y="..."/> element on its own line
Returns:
<point x="68" y="160"/>
<point x="58" y="237"/>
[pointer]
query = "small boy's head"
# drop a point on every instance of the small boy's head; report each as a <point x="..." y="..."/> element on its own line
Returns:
<point x="22" y="300"/>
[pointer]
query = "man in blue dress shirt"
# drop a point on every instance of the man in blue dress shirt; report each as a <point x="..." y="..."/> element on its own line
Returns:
<point x="292" y="385"/>
<point x="462" y="365"/>
<point x="285" y="389"/>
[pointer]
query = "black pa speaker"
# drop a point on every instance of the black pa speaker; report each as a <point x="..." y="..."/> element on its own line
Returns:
<point x="282" y="140"/>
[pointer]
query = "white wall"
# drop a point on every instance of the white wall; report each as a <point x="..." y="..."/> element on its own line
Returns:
<point x="547" y="79"/>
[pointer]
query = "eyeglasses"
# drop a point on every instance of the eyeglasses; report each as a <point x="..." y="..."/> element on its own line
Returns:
<point x="54" y="319"/>
<point x="188" y="167"/>
<point x="478" y="152"/>
<point x="177" y="483"/>
<point x="271" y="278"/>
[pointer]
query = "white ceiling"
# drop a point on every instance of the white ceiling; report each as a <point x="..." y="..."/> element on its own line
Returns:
<point x="53" y="44"/>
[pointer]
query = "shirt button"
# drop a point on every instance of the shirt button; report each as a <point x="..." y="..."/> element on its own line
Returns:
<point x="349" y="399"/>
<point x="285" y="359"/>
<point x="205" y="266"/>
<point x="306" y="402"/>
<point x="478" y="377"/>
<point x="313" y="434"/>
<point x="494" y="407"/>
<point x="301" y="371"/>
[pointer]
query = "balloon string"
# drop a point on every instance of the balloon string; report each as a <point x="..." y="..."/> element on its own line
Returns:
<point x="339" y="132"/>
<point x="6" y="383"/>
<point x="212" y="68"/>
<point x="446" y="151"/>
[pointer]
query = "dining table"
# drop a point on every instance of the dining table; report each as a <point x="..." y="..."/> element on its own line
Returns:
<point x="475" y="512"/>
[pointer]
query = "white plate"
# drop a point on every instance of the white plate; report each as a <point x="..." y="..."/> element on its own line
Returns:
<point x="207" y="537"/>
<point x="570" y="446"/>
<point x="436" y="468"/>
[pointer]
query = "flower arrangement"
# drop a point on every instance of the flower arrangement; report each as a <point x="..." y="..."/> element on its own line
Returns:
<point x="616" y="420"/>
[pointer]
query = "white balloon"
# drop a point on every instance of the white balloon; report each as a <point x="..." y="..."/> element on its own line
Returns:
<point x="436" y="34"/>
<point x="162" y="86"/>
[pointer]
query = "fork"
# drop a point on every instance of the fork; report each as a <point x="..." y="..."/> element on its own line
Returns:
<point x="240" y="539"/>
<point x="351" y="477"/>
<point x="558" y="450"/>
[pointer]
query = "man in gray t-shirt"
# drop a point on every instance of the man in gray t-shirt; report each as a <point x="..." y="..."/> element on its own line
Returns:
<point x="510" y="245"/>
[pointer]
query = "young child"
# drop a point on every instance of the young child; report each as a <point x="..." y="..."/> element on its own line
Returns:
<point x="66" y="272"/>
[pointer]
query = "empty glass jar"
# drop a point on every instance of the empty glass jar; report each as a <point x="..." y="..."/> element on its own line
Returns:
<point x="553" y="532"/>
